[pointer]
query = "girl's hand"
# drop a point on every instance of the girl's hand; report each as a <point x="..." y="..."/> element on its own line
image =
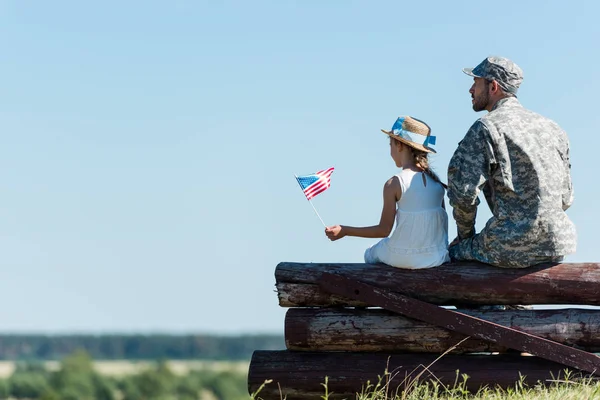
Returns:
<point x="335" y="232"/>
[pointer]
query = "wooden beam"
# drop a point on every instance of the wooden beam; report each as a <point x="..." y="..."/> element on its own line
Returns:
<point x="300" y="374"/>
<point x="449" y="284"/>
<point x="462" y="323"/>
<point x="377" y="330"/>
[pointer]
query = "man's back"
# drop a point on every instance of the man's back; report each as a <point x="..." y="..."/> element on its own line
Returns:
<point x="523" y="158"/>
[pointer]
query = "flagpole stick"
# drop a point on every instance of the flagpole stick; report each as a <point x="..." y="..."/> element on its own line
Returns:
<point x="310" y="202"/>
<point x="313" y="206"/>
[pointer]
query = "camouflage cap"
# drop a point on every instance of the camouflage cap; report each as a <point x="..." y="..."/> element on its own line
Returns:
<point x="508" y="74"/>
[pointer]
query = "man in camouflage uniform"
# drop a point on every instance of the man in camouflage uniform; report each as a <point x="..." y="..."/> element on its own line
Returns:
<point x="520" y="160"/>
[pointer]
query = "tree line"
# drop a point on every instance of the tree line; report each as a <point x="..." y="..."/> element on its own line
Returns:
<point x="137" y="347"/>
<point x="76" y="379"/>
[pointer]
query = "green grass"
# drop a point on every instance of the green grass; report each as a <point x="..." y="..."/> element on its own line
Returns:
<point x="568" y="388"/>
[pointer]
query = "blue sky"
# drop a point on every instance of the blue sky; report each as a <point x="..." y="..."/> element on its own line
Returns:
<point x="148" y="148"/>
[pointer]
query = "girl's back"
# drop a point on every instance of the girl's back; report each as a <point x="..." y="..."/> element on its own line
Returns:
<point x="420" y="238"/>
<point x="419" y="192"/>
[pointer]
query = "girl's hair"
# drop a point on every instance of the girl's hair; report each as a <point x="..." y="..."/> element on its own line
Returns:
<point x="422" y="161"/>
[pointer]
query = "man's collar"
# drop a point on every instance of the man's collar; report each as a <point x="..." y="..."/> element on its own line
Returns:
<point x="504" y="100"/>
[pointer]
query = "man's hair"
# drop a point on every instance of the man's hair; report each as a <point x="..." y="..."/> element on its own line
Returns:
<point x="506" y="94"/>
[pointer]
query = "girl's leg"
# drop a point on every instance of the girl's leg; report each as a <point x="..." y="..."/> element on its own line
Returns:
<point x="371" y="254"/>
<point x="369" y="259"/>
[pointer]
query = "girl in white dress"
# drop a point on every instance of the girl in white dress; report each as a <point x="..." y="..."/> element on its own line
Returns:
<point x="414" y="198"/>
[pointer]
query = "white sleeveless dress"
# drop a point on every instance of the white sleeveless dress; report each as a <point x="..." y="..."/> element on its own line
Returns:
<point x="420" y="239"/>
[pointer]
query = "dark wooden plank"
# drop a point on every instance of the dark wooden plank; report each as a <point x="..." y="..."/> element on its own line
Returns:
<point x="449" y="284"/>
<point x="300" y="374"/>
<point x="374" y="329"/>
<point x="459" y="322"/>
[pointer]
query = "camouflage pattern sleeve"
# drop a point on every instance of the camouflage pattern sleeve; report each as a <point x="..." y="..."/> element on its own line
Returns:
<point x="567" y="197"/>
<point x="468" y="171"/>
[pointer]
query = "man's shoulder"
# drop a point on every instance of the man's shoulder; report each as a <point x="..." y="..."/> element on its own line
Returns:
<point x="479" y="127"/>
<point x="513" y="111"/>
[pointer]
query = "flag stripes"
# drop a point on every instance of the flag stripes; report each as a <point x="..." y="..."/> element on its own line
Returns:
<point x="316" y="183"/>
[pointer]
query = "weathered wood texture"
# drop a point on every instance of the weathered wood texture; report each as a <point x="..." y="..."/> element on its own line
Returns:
<point x="462" y="323"/>
<point x="449" y="284"/>
<point x="377" y="330"/>
<point x="300" y="374"/>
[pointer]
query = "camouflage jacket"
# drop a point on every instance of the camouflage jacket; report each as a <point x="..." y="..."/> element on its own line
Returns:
<point x="520" y="160"/>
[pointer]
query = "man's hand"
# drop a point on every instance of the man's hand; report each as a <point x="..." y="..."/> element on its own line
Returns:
<point x="335" y="232"/>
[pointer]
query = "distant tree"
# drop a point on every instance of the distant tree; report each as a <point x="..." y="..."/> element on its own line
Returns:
<point x="188" y="387"/>
<point x="156" y="383"/>
<point x="104" y="388"/>
<point x="50" y="394"/>
<point x="4" y="389"/>
<point x="228" y="386"/>
<point x="129" y="389"/>
<point x="77" y="380"/>
<point x="27" y="385"/>
<point x="73" y="380"/>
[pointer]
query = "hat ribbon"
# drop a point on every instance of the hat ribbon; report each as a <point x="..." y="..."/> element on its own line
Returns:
<point x="411" y="137"/>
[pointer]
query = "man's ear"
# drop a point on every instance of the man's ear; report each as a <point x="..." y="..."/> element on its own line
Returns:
<point x="494" y="87"/>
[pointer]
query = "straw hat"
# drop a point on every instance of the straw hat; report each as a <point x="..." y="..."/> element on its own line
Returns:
<point x="412" y="132"/>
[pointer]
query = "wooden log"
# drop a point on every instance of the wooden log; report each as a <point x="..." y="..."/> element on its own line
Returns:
<point x="378" y="330"/>
<point x="459" y="322"/>
<point x="300" y="374"/>
<point x="449" y="284"/>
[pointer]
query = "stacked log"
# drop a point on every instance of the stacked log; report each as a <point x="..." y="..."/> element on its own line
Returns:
<point x="450" y="284"/>
<point x="351" y="343"/>
<point x="378" y="330"/>
<point x="300" y="375"/>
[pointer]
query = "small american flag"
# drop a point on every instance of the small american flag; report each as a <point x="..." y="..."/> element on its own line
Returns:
<point x="316" y="183"/>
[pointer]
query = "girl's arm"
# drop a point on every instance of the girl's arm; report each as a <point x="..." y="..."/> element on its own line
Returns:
<point x="391" y="194"/>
